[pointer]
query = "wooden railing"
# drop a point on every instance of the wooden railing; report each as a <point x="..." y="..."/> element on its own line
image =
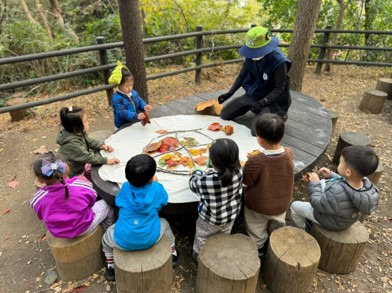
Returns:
<point x="105" y="66"/>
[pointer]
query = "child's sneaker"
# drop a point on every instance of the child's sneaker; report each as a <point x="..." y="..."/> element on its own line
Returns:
<point x="110" y="276"/>
<point x="175" y="256"/>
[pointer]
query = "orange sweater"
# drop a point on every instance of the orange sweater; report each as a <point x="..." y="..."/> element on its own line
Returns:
<point x="269" y="183"/>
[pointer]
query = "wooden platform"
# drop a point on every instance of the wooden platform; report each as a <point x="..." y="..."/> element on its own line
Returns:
<point x="308" y="130"/>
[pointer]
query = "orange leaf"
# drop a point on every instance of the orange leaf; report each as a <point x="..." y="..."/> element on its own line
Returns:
<point x="203" y="105"/>
<point x="161" y="131"/>
<point x="6" y="211"/>
<point x="218" y="108"/>
<point x="153" y="147"/>
<point x="13" y="184"/>
<point x="253" y="153"/>
<point x="229" y="130"/>
<point x="79" y="289"/>
<point x="146" y="119"/>
<point x="214" y="126"/>
<point x="201" y="161"/>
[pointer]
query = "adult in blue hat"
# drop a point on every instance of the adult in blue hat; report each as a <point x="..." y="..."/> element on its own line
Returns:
<point x="263" y="77"/>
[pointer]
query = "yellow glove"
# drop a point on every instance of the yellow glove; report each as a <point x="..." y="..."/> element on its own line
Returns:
<point x="115" y="77"/>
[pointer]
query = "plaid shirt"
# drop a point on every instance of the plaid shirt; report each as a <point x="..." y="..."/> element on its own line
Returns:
<point x="218" y="205"/>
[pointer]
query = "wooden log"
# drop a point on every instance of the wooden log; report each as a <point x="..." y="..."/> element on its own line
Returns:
<point x="101" y="135"/>
<point x="385" y="85"/>
<point x="375" y="177"/>
<point x="334" y="118"/>
<point x="373" y="101"/>
<point x="348" y="139"/>
<point x="291" y="260"/>
<point x="340" y="250"/>
<point x="79" y="257"/>
<point x="228" y="263"/>
<point x="17" y="115"/>
<point x="144" y="271"/>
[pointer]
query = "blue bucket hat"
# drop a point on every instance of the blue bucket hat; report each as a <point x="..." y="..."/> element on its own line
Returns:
<point x="259" y="42"/>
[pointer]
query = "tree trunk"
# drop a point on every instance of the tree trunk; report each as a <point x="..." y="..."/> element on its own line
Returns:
<point x="60" y="20"/>
<point x="305" y="25"/>
<point x="133" y="43"/>
<point x="339" y="22"/>
<point x="41" y="13"/>
<point x="27" y="12"/>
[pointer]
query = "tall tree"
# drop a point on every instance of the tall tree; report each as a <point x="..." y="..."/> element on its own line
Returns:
<point x="60" y="20"/>
<point x="339" y="23"/>
<point x="27" y="11"/>
<point x="133" y="43"/>
<point x="42" y="14"/>
<point x="305" y="25"/>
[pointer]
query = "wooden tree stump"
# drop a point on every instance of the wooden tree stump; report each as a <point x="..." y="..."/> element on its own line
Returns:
<point x="17" y="115"/>
<point x="340" y="250"/>
<point x="348" y="139"/>
<point x="334" y="118"/>
<point x="375" y="177"/>
<point x="79" y="257"/>
<point x="385" y="85"/>
<point x="373" y="101"/>
<point x="146" y="270"/>
<point x="291" y="260"/>
<point x="101" y="135"/>
<point x="228" y="263"/>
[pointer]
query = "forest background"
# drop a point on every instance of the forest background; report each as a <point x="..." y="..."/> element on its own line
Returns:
<point x="33" y="26"/>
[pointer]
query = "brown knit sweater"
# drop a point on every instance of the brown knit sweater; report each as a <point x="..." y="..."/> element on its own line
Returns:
<point x="269" y="183"/>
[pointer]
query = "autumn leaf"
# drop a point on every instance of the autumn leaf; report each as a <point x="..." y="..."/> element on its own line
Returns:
<point x="201" y="161"/>
<point x="79" y="289"/>
<point x="161" y="131"/>
<point x="41" y="150"/>
<point x="218" y="108"/>
<point x="197" y="152"/>
<point x="146" y="118"/>
<point x="153" y="147"/>
<point x="229" y="130"/>
<point x="214" y="126"/>
<point x="13" y="184"/>
<point x="42" y="238"/>
<point x="253" y="153"/>
<point x="210" y="103"/>
<point x="6" y="211"/>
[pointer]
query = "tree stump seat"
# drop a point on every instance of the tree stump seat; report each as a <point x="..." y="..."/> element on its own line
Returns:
<point x="291" y="260"/>
<point x="228" y="263"/>
<point x="385" y="85"/>
<point x="340" y="250"/>
<point x="348" y="139"/>
<point x="17" y="115"/>
<point x="373" y="101"/>
<point x="144" y="271"/>
<point x="79" y="257"/>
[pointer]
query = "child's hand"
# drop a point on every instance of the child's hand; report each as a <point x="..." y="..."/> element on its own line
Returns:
<point x="141" y="116"/>
<point x="107" y="148"/>
<point x="113" y="161"/>
<point x="147" y="108"/>
<point x="313" y="177"/>
<point x="325" y="172"/>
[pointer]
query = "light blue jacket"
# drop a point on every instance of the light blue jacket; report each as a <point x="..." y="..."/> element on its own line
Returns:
<point x="138" y="225"/>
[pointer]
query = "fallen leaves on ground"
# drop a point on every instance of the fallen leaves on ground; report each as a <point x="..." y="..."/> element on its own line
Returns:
<point x="6" y="211"/>
<point x="41" y="150"/>
<point x="13" y="184"/>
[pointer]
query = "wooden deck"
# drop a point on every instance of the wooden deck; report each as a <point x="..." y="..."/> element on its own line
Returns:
<point x="308" y="130"/>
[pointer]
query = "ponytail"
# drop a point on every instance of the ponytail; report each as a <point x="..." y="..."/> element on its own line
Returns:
<point x="66" y="196"/>
<point x="226" y="178"/>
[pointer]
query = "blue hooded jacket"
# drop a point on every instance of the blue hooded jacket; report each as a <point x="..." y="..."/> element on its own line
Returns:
<point x="138" y="225"/>
<point x="126" y="108"/>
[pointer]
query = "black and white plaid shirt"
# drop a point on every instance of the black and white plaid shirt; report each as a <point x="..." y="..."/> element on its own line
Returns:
<point x="218" y="205"/>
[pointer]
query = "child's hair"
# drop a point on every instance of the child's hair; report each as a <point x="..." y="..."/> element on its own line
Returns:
<point x="50" y="168"/>
<point x="72" y="119"/>
<point x="362" y="159"/>
<point x="125" y="76"/>
<point x="224" y="156"/>
<point x="140" y="169"/>
<point x="270" y="127"/>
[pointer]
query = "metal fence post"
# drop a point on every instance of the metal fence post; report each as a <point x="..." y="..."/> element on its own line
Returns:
<point x="199" y="44"/>
<point x="323" y="49"/>
<point x="103" y="56"/>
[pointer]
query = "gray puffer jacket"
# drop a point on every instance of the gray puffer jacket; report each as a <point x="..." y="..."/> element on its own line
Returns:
<point x="337" y="205"/>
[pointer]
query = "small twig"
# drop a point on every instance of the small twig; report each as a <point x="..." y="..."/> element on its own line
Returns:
<point x="176" y="131"/>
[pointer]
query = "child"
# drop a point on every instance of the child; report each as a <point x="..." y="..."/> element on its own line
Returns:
<point x="128" y="106"/>
<point x="220" y="192"/>
<point x="67" y="206"/>
<point x="269" y="180"/>
<point x="76" y="146"/>
<point x="138" y="226"/>
<point x="335" y="203"/>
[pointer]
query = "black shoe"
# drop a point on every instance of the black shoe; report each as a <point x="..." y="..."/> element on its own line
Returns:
<point x="110" y="276"/>
<point x="175" y="259"/>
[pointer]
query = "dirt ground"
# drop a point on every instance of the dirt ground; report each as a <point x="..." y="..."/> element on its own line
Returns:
<point x="25" y="256"/>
